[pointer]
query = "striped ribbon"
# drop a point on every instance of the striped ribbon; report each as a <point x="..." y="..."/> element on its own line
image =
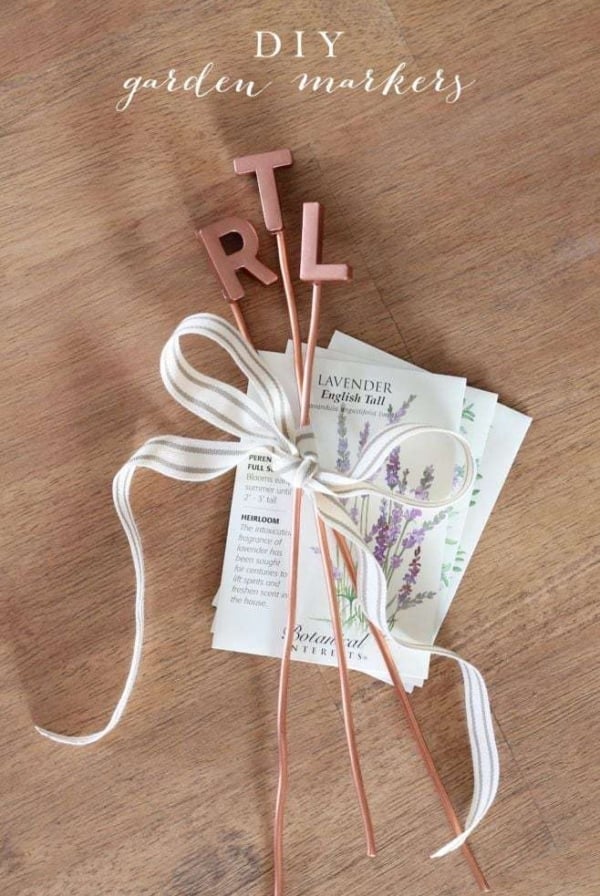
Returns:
<point x="266" y="424"/>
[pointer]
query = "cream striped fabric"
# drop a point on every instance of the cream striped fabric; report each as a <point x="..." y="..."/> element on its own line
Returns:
<point x="267" y="425"/>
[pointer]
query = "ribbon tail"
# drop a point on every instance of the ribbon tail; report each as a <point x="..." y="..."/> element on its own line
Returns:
<point x="121" y="487"/>
<point x="191" y="460"/>
<point x="372" y="592"/>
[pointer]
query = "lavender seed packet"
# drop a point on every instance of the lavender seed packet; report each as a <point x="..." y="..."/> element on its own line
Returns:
<point x="351" y="400"/>
<point x="495" y="434"/>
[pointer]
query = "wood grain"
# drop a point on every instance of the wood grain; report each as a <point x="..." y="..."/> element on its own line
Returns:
<point x="473" y="231"/>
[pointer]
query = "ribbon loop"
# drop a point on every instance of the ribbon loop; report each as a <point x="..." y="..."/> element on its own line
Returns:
<point x="268" y="425"/>
<point x="224" y="407"/>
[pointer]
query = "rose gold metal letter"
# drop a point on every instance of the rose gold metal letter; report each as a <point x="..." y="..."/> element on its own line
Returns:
<point x="311" y="268"/>
<point x="263" y="165"/>
<point x="224" y="265"/>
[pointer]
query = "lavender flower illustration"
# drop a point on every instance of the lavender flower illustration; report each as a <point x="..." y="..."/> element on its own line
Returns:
<point x="392" y="469"/>
<point x="398" y="533"/>
<point x="396" y="416"/>
<point x="458" y="475"/>
<point x="409" y="578"/>
<point x="425" y="483"/>
<point x="363" y="438"/>
<point x="343" y="452"/>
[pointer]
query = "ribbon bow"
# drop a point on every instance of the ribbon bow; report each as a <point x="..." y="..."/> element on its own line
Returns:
<point x="267" y="424"/>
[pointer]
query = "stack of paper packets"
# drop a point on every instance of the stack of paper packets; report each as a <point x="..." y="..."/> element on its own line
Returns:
<point x="356" y="390"/>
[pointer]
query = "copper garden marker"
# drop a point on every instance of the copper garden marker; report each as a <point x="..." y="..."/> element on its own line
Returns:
<point x="314" y="271"/>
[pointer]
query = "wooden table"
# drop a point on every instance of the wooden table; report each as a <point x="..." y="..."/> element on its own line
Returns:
<point x="473" y="230"/>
